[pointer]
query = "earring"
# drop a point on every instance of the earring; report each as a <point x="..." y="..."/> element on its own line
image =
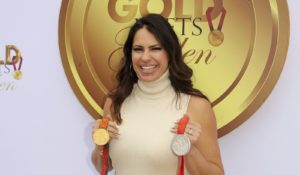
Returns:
<point x="130" y="69"/>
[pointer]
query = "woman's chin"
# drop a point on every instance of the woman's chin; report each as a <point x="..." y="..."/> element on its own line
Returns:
<point x="148" y="77"/>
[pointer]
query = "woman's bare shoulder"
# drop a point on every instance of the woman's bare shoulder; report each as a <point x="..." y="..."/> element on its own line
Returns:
<point x="199" y="103"/>
<point x="200" y="109"/>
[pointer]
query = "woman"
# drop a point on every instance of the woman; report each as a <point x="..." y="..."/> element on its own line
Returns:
<point x="154" y="91"/>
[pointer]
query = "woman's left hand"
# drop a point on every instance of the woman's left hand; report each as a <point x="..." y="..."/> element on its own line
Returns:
<point x="192" y="130"/>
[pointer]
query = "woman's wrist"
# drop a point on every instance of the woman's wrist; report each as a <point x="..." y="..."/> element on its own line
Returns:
<point x="98" y="150"/>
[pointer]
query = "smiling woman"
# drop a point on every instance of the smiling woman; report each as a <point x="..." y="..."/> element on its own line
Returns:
<point x="149" y="59"/>
<point x="154" y="91"/>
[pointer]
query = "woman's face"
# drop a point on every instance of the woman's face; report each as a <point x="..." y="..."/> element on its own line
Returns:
<point x="149" y="58"/>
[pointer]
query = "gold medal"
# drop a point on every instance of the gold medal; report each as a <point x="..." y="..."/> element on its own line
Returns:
<point x="17" y="72"/>
<point x="216" y="38"/>
<point x="101" y="137"/>
<point x="17" y="75"/>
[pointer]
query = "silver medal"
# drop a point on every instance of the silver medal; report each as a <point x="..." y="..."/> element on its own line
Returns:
<point x="181" y="145"/>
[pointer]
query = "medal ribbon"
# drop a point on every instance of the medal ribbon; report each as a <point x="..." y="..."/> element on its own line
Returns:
<point x="14" y="63"/>
<point x="208" y="16"/>
<point x="105" y="156"/>
<point x="180" y="130"/>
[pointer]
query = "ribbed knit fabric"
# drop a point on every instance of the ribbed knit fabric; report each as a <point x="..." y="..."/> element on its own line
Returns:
<point x="149" y="113"/>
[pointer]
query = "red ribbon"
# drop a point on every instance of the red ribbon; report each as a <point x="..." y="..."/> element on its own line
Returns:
<point x="208" y="16"/>
<point x="105" y="160"/>
<point x="14" y="63"/>
<point x="180" y="130"/>
<point x="105" y="156"/>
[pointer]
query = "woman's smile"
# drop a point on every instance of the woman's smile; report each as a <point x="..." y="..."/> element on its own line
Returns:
<point x="149" y="58"/>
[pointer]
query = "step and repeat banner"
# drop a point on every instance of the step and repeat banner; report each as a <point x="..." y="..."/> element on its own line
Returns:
<point x="58" y="60"/>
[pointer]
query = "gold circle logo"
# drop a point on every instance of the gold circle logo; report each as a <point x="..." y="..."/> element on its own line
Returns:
<point x="236" y="49"/>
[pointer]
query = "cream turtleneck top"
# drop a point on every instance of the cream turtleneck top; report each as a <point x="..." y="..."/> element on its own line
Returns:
<point x="149" y="113"/>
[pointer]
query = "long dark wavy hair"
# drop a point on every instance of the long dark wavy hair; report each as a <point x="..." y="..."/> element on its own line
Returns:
<point x="179" y="73"/>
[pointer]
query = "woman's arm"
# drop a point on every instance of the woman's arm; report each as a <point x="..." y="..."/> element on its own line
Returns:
<point x="96" y="158"/>
<point x="97" y="153"/>
<point x="204" y="157"/>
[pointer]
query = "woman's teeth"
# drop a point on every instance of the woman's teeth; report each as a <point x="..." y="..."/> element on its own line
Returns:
<point x="148" y="68"/>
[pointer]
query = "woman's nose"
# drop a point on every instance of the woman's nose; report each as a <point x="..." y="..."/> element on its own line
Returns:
<point x="146" y="56"/>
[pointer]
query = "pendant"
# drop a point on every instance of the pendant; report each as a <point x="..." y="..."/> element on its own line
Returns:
<point x="181" y="145"/>
<point x="101" y="136"/>
<point x="17" y="72"/>
<point x="17" y="75"/>
<point x="216" y="38"/>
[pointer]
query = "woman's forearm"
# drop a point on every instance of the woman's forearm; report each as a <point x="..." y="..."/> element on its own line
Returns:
<point x="196" y="164"/>
<point x="97" y="158"/>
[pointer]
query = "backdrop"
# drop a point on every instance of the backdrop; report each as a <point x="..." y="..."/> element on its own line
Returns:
<point x="45" y="130"/>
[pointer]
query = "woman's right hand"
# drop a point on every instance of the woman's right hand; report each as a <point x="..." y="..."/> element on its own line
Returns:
<point x="112" y="127"/>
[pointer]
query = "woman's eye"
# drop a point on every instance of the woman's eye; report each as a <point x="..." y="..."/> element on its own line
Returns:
<point x="137" y="49"/>
<point x="156" y="48"/>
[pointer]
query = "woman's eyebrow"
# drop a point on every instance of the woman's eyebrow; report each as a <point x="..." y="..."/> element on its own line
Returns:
<point x="137" y="45"/>
<point x="155" y="45"/>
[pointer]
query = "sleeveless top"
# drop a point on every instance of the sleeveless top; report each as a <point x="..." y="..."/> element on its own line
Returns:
<point x="148" y="114"/>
